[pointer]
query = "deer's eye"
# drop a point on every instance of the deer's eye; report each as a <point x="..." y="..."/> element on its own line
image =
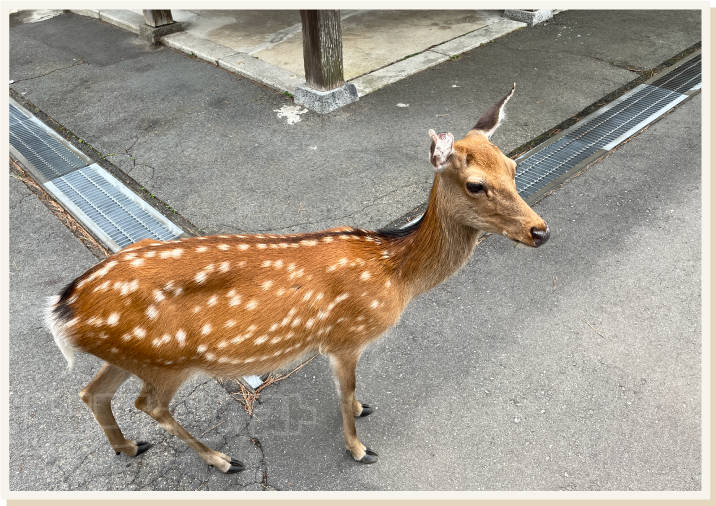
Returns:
<point x="475" y="187"/>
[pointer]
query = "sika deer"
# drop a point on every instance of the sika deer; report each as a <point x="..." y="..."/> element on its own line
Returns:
<point x="234" y="305"/>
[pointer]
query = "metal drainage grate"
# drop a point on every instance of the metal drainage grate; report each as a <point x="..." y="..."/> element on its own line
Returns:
<point x="112" y="212"/>
<point x="543" y="167"/>
<point x="46" y="153"/>
<point x="685" y="78"/>
<point x="16" y="116"/>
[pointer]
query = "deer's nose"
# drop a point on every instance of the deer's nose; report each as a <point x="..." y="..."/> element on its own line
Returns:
<point x="539" y="237"/>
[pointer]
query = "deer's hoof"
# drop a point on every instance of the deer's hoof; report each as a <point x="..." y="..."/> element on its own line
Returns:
<point x="370" y="457"/>
<point x="367" y="410"/>
<point x="142" y="446"/>
<point x="235" y="467"/>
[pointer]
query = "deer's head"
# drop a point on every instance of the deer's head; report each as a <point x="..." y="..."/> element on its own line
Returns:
<point x="480" y="182"/>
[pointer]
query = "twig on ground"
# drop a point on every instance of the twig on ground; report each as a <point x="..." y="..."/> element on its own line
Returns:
<point x="595" y="330"/>
<point x="215" y="426"/>
<point x="248" y="398"/>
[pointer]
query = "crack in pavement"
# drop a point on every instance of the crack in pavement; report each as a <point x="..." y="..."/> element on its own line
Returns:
<point x="578" y="55"/>
<point x="81" y="62"/>
<point x="313" y="222"/>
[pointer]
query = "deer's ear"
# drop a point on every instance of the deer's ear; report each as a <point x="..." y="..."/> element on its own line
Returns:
<point x="489" y="121"/>
<point x="440" y="149"/>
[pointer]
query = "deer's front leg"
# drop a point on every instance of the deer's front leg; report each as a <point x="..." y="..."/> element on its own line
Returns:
<point x="344" y="373"/>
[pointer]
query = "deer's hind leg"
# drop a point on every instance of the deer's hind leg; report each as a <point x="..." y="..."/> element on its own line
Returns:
<point x="98" y="396"/>
<point x="154" y="400"/>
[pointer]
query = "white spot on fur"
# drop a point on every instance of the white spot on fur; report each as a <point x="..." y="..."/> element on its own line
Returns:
<point x="152" y="312"/>
<point x="266" y="284"/>
<point x="138" y="262"/>
<point x="200" y="277"/>
<point x="113" y="319"/>
<point x="180" y="337"/>
<point x="243" y="247"/>
<point x="266" y="263"/>
<point x="100" y="288"/>
<point x="374" y="304"/>
<point x="229" y="324"/>
<point x="201" y="349"/>
<point x="261" y="246"/>
<point x="160" y="340"/>
<point x="95" y="321"/>
<point x="223" y="247"/>
<point x="201" y="249"/>
<point x="158" y="295"/>
<point x="252" y="304"/>
<point x="224" y="266"/>
<point x="212" y="300"/>
<point x="306" y="242"/>
<point x="235" y="301"/>
<point x="365" y="276"/>
<point x="206" y="329"/>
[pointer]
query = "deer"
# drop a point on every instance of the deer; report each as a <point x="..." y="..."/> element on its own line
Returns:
<point x="227" y="306"/>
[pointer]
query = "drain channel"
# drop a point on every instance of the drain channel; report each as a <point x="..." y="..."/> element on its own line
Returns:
<point x="549" y="164"/>
<point x="112" y="212"/>
<point x="122" y="218"/>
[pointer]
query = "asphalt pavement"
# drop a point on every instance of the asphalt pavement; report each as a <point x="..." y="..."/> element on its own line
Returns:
<point x="574" y="367"/>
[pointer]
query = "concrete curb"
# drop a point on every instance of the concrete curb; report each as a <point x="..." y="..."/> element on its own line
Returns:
<point x="124" y="19"/>
<point x="397" y="71"/>
<point x="201" y="48"/>
<point x="475" y="39"/>
<point x="258" y="70"/>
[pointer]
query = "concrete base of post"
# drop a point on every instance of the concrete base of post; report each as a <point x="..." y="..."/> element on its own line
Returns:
<point x="324" y="102"/>
<point x="531" y="17"/>
<point x="153" y="34"/>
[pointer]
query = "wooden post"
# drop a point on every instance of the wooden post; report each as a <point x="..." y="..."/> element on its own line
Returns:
<point x="158" y="18"/>
<point x="322" y="49"/>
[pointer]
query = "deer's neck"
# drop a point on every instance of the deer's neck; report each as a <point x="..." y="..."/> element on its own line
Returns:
<point x="435" y="249"/>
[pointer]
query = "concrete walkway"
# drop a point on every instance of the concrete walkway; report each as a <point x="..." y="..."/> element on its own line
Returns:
<point x="496" y="380"/>
<point x="379" y="47"/>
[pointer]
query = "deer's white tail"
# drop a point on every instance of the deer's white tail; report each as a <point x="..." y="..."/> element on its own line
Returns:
<point x="57" y="327"/>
